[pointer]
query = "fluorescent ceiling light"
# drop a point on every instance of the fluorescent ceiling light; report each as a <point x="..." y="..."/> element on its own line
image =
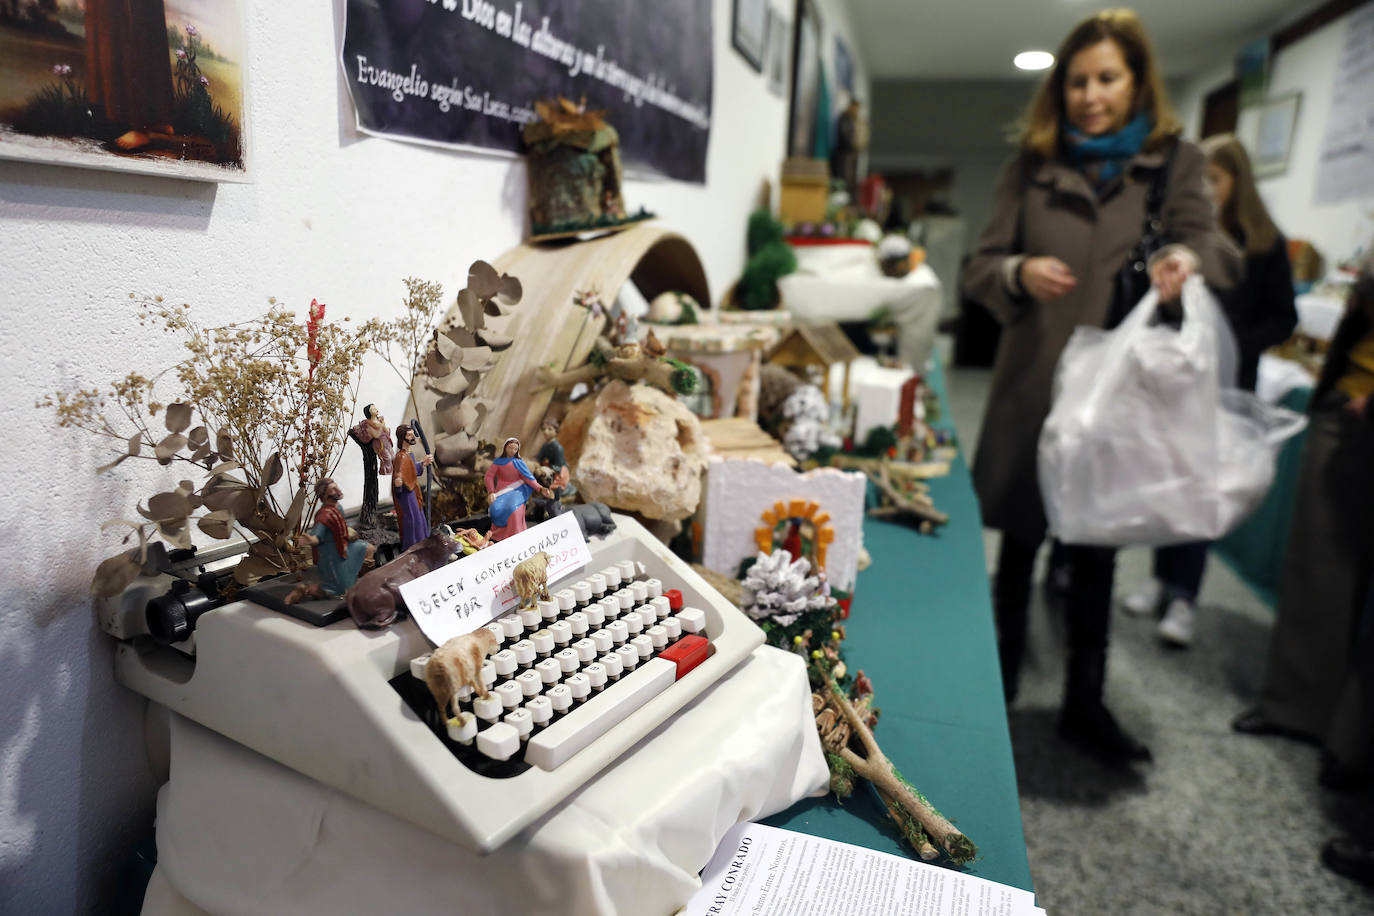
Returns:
<point x="1033" y="60"/>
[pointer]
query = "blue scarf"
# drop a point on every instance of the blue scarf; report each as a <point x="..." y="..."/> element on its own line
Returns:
<point x="1104" y="157"/>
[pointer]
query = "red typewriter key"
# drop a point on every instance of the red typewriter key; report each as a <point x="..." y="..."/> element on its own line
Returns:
<point x="687" y="653"/>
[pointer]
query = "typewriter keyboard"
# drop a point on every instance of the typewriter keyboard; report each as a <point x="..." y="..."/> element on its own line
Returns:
<point x="567" y="670"/>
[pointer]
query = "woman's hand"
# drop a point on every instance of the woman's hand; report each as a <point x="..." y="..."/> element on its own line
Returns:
<point x="1046" y="278"/>
<point x="1168" y="272"/>
<point x="1357" y="405"/>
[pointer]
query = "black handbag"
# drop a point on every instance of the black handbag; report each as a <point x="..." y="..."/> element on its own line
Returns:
<point x="1132" y="280"/>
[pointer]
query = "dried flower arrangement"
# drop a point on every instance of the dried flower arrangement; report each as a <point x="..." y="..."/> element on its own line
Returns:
<point x="405" y="341"/>
<point x="255" y="403"/>
<point x="797" y="614"/>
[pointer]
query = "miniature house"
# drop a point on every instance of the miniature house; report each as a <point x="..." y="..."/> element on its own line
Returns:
<point x="753" y="506"/>
<point x="728" y="359"/>
<point x="574" y="170"/>
<point x="816" y="346"/>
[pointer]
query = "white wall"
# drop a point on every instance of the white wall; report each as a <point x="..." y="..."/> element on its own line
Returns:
<point x="1307" y="66"/>
<point x="330" y="215"/>
<point x="928" y="124"/>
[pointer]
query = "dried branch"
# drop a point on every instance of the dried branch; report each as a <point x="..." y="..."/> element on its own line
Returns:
<point x="877" y="769"/>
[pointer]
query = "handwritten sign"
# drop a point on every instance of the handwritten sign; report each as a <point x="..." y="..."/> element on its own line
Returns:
<point x="465" y="594"/>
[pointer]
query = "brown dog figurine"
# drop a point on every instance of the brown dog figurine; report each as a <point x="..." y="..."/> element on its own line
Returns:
<point x="457" y="664"/>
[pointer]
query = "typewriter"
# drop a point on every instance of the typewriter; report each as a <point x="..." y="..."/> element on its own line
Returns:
<point x="620" y="646"/>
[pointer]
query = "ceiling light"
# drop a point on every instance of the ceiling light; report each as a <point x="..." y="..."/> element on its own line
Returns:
<point x="1033" y="60"/>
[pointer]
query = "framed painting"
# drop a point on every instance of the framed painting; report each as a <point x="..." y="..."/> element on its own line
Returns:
<point x="844" y="67"/>
<point x="749" y="31"/>
<point x="1277" y="121"/>
<point x="150" y="86"/>
<point x="779" y="54"/>
<point x="806" y="81"/>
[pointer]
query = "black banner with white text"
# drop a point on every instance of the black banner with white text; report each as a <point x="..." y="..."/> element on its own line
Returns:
<point x="467" y="72"/>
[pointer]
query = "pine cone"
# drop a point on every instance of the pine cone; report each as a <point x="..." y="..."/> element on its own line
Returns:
<point x="775" y="384"/>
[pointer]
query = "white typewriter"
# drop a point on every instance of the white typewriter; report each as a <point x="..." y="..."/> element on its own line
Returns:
<point x="623" y="644"/>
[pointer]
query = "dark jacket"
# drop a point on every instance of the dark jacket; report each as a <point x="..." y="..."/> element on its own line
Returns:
<point x="1352" y="329"/>
<point x="1048" y="207"/>
<point x="1261" y="309"/>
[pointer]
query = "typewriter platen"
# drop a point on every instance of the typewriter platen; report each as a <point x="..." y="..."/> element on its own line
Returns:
<point x="575" y="684"/>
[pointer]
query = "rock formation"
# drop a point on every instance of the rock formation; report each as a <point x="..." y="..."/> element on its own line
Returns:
<point x="636" y="449"/>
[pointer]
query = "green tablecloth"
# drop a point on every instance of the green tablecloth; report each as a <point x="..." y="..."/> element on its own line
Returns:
<point x="921" y="627"/>
<point x="1254" y="551"/>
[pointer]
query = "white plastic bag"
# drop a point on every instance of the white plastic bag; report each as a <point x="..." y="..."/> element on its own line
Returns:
<point x="1144" y="444"/>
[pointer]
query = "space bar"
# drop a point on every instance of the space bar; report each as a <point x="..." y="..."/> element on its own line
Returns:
<point x="579" y="728"/>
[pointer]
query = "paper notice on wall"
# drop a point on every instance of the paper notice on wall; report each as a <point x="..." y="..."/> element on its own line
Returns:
<point x="764" y="871"/>
<point x="1345" y="170"/>
<point x="460" y="597"/>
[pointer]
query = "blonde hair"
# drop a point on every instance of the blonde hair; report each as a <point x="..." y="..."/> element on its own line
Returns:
<point x="1040" y="126"/>
<point x="1243" y="210"/>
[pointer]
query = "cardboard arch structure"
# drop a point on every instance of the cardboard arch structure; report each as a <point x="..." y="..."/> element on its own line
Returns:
<point x="547" y="329"/>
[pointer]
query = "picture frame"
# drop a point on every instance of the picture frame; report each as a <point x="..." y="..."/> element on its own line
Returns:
<point x="69" y="94"/>
<point x="844" y="67"/>
<point x="1278" y="120"/>
<point x="779" y="69"/>
<point x="806" y="80"/>
<point x="749" y="31"/>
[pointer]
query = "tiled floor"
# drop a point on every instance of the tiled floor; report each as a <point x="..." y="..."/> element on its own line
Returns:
<point x="1220" y="823"/>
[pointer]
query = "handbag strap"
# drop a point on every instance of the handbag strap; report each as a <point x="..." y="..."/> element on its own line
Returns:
<point x="1154" y="198"/>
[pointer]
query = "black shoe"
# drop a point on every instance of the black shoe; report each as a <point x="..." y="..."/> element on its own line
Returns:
<point x="1351" y="858"/>
<point x="1254" y="722"/>
<point x="1093" y="729"/>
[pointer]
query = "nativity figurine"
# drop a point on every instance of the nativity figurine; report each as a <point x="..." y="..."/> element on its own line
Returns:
<point x="458" y="664"/>
<point x="509" y="486"/>
<point x="374" y="439"/>
<point x="339" y="555"/>
<point x="531" y="579"/>
<point x="552" y="456"/>
<point x="405" y="488"/>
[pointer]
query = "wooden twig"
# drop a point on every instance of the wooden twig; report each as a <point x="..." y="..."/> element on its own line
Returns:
<point x="910" y="828"/>
<point x="911" y="505"/>
<point x="634" y="368"/>
<point x="877" y="769"/>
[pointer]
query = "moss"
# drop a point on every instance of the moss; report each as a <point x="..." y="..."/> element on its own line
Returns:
<point x="684" y="376"/>
<point x="879" y="440"/>
<point x="763" y="230"/>
<point x="842" y="776"/>
<point x="758" y="285"/>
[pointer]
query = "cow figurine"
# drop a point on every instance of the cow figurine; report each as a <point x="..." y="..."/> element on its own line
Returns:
<point x="374" y="601"/>
<point x="458" y="664"/>
<point x="531" y="579"/>
<point x="594" y="518"/>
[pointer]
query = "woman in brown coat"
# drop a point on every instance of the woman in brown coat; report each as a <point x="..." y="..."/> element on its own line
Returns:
<point x="1071" y="206"/>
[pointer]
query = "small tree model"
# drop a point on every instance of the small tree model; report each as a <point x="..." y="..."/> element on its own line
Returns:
<point x="255" y="403"/>
<point x="796" y="614"/>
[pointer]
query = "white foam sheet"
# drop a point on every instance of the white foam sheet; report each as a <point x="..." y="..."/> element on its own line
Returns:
<point x="240" y="834"/>
<point x="842" y="292"/>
